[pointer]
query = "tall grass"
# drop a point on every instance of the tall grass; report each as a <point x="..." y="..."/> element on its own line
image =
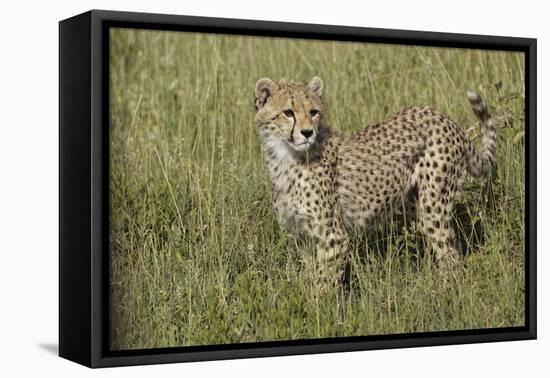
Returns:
<point x="197" y="256"/>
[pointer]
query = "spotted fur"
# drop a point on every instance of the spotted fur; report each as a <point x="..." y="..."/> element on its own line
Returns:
<point x="327" y="184"/>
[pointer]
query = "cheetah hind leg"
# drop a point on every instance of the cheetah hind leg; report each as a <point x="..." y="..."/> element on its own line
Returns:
<point x="435" y="221"/>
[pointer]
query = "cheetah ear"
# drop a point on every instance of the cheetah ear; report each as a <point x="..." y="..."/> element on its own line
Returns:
<point x="264" y="89"/>
<point x="316" y="85"/>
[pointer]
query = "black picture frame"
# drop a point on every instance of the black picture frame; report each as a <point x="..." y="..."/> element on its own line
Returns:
<point x="84" y="187"/>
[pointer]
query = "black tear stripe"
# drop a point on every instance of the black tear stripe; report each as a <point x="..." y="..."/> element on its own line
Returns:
<point x="293" y="125"/>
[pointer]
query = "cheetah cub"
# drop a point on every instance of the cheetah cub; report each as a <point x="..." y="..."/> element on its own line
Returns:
<point x="327" y="184"/>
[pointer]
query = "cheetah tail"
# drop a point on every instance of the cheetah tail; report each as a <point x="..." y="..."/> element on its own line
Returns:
<point x="481" y="160"/>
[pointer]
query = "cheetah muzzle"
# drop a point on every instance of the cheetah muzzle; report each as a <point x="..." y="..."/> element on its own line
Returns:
<point x="327" y="183"/>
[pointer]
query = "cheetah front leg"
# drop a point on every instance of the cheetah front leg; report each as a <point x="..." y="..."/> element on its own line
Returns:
<point x="331" y="249"/>
<point x="333" y="246"/>
<point x="331" y="238"/>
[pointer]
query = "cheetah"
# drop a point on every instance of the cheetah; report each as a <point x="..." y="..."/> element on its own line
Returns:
<point x="327" y="184"/>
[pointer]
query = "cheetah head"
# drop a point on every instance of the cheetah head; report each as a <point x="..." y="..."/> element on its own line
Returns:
<point x="289" y="112"/>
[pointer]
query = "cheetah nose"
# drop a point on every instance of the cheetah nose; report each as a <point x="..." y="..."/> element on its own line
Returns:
<point x="307" y="132"/>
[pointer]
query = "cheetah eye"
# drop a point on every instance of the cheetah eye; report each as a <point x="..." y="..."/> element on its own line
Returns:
<point x="314" y="113"/>
<point x="289" y="113"/>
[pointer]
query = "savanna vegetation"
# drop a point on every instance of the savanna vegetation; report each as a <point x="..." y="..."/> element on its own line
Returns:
<point x="197" y="256"/>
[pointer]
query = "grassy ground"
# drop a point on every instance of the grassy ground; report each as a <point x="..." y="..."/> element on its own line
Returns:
<point x="197" y="256"/>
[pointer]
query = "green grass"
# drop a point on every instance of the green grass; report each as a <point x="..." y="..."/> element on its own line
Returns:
<point x="197" y="256"/>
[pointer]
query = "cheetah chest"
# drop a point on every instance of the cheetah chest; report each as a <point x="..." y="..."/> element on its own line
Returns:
<point x="301" y="188"/>
<point x="295" y="198"/>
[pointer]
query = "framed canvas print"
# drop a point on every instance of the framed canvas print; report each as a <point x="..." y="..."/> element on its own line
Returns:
<point x="234" y="188"/>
